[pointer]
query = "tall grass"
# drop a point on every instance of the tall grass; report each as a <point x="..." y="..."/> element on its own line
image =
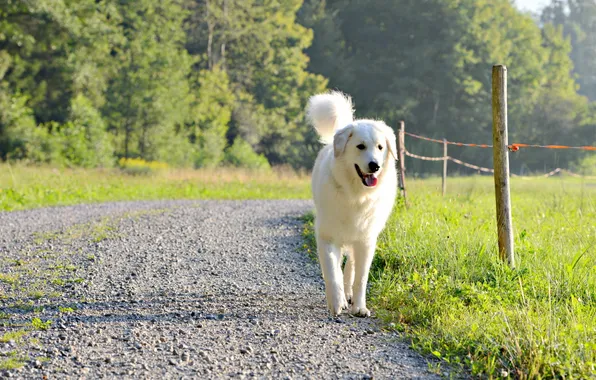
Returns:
<point x="437" y="277"/>
<point x="23" y="187"/>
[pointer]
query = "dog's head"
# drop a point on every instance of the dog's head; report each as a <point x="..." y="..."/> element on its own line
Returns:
<point x="367" y="146"/>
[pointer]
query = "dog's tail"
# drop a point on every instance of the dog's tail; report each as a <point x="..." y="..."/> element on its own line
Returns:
<point x="328" y="113"/>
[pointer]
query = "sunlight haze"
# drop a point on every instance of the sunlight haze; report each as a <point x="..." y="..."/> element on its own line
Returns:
<point x="531" y="5"/>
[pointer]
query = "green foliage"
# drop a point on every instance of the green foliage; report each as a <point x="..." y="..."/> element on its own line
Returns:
<point x="84" y="83"/>
<point x="38" y="324"/>
<point x="12" y="362"/>
<point x="308" y="233"/>
<point x="577" y="20"/>
<point x="213" y="110"/>
<point x="96" y="148"/>
<point x="10" y="279"/>
<point x="241" y="154"/>
<point x="260" y="46"/>
<point x="173" y="81"/>
<point x="16" y="123"/>
<point x="73" y="143"/>
<point x="44" y="144"/>
<point x="176" y="149"/>
<point x="16" y="336"/>
<point x="148" y="98"/>
<point x="586" y="165"/>
<point x="432" y="69"/>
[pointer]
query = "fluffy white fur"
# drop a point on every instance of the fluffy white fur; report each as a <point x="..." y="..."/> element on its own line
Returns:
<point x="352" y="204"/>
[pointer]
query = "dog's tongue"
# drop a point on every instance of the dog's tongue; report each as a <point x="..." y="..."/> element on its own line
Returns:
<point x="370" y="180"/>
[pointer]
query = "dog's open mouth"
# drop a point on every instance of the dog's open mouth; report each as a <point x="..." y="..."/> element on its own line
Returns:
<point x="368" y="180"/>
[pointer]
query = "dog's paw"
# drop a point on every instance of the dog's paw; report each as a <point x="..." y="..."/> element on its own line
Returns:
<point x="359" y="311"/>
<point x="348" y="295"/>
<point x="336" y="302"/>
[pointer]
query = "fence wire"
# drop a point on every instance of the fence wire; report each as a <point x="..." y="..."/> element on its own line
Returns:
<point x="488" y="170"/>
<point x="512" y="147"/>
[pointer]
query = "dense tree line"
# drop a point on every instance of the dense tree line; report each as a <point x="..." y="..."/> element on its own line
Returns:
<point x="202" y="83"/>
<point x="190" y="83"/>
<point x="428" y="62"/>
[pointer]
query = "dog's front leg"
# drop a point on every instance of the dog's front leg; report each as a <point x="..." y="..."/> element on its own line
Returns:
<point x="363" y="255"/>
<point x="349" y="273"/>
<point x="329" y="257"/>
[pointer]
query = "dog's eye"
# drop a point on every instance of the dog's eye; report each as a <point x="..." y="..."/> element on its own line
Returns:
<point x="380" y="147"/>
<point x="361" y="146"/>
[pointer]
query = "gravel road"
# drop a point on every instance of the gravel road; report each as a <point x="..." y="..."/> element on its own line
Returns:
<point x="178" y="289"/>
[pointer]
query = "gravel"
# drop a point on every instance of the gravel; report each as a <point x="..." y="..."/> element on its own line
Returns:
<point x="190" y="289"/>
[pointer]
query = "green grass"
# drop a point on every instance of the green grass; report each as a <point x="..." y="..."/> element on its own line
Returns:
<point x="38" y="324"/>
<point x="437" y="277"/>
<point x="11" y="279"/>
<point x="13" y="335"/>
<point x="66" y="310"/>
<point x="12" y="362"/>
<point x="24" y="187"/>
<point x="36" y="294"/>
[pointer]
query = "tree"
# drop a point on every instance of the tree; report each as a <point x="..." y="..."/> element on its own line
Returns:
<point x="578" y="20"/>
<point x="261" y="48"/>
<point x="94" y="147"/>
<point x="148" y="99"/>
<point x="428" y="62"/>
<point x="212" y="112"/>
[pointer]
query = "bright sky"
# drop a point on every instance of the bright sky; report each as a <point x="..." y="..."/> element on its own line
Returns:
<point x="531" y="5"/>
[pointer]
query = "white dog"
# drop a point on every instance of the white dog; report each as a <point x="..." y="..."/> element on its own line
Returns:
<point x="354" y="183"/>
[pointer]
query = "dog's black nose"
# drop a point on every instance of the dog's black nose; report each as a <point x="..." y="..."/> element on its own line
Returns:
<point x="373" y="166"/>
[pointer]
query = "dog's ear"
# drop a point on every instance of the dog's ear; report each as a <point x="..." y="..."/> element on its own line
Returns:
<point x="391" y="143"/>
<point x="340" y="140"/>
<point x="390" y="138"/>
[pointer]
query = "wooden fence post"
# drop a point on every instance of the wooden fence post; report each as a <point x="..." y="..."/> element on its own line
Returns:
<point x="501" y="164"/>
<point x="444" y="183"/>
<point x="402" y="166"/>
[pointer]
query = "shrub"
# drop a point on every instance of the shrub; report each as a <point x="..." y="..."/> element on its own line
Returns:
<point x="43" y="145"/>
<point x="16" y="124"/>
<point x="87" y="140"/>
<point x="82" y="141"/>
<point x="211" y="152"/>
<point x="174" y="149"/>
<point x="241" y="154"/>
<point x="586" y="165"/>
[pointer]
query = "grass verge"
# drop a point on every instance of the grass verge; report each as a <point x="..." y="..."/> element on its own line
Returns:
<point x="23" y="187"/>
<point x="436" y="277"/>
